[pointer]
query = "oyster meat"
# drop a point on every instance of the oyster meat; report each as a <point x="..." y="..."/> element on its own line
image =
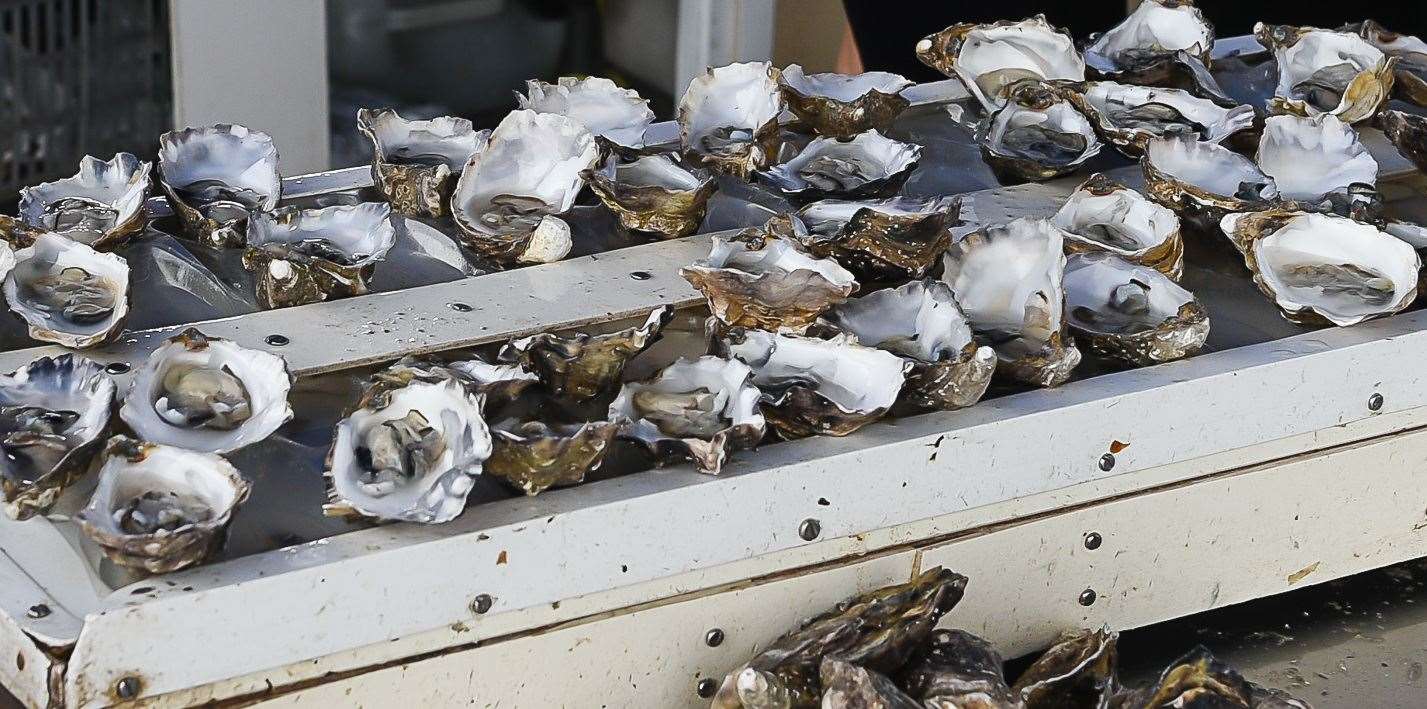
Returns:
<point x="843" y="105"/>
<point x="413" y="161"/>
<point x="1037" y="134"/>
<point x="1131" y="312"/>
<point x="654" y="193"/>
<point x="728" y="118"/>
<point x="1203" y="181"/>
<point x="619" y="116"/>
<point x="159" y="508"/>
<point x="1077" y="671"/>
<point x="1128" y="116"/>
<point x="1323" y="71"/>
<point x="879" y="240"/>
<point x="1104" y="215"/>
<point x="1155" y="33"/>
<point x="990" y="57"/>
<point x="958" y="670"/>
<point x="300" y="256"/>
<point x="581" y="367"/>
<point x="100" y="206"/>
<point x="68" y="293"/>
<point x="1311" y="158"/>
<point x="217" y="176"/>
<point x="534" y="456"/>
<point x="868" y="164"/>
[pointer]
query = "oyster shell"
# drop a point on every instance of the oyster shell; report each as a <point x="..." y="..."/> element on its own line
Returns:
<point x="1153" y="34"/>
<point x="761" y="279"/>
<point x="1196" y="680"/>
<point x="611" y="113"/>
<point x="1128" y="116"/>
<point x="1408" y="133"/>
<point x="654" y="193"/>
<point x="1104" y="215"/>
<point x="1008" y="279"/>
<point x="100" y="206"/>
<point x="1036" y="135"/>
<point x="501" y="383"/>
<point x="533" y="456"/>
<point x="1322" y="71"/>
<point x="818" y="387"/>
<point x="215" y="177"/>
<point x="1078" y="671"/>
<point x="868" y="164"/>
<point x="159" y="508"/>
<point x="300" y="256"/>
<point x="1131" y="312"/>
<point x="843" y="105"/>
<point x="728" y="118"/>
<point x="68" y="293"/>
<point x="1202" y="181"/>
<point x="207" y="394"/>
<point x="582" y="366"/>
<point x="699" y="410"/>
<point x="508" y="195"/>
<point x="408" y="452"/>
<point x="1322" y="268"/>
<point x="1309" y="158"/>
<point x="888" y="239"/>
<point x="958" y="670"/>
<point x="1411" y="55"/>
<point x="54" y="413"/>
<point x="413" y="161"/>
<point x="988" y="58"/>
<point x="922" y="323"/>
<point x="847" y="686"/>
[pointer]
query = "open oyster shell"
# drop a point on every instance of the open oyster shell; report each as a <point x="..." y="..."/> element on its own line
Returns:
<point x="215" y="177"/>
<point x="867" y="165"/>
<point x="843" y="105"/>
<point x="1081" y="664"/>
<point x="68" y="293"/>
<point x="1153" y="34"/>
<point x="887" y="239"/>
<point x="1408" y="133"/>
<point x="1320" y="268"/>
<point x="300" y="256"/>
<point x="611" y="113"/>
<point x="582" y="366"/>
<point x="1411" y="55"/>
<point x="413" y="161"/>
<point x="922" y="323"/>
<point x="1104" y="215"/>
<point x="761" y="279"/>
<point x="54" y="413"/>
<point x="988" y="58"/>
<point x="160" y="508"/>
<point x="207" y="394"/>
<point x="699" y="410"/>
<point x="1203" y="181"/>
<point x="1323" y="71"/>
<point x="1128" y="116"/>
<point x="508" y="195"/>
<point x="100" y="206"/>
<point x="533" y="456"/>
<point x="654" y="193"/>
<point x="409" y="452"/>
<point x="849" y="686"/>
<point x="1037" y="134"/>
<point x="728" y="118"/>
<point x="1309" y="158"/>
<point x="958" y="670"/>
<point x="501" y="383"/>
<point x="1008" y="280"/>
<point x="1131" y="312"/>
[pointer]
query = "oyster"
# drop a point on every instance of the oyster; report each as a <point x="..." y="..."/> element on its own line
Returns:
<point x="611" y="113"/>
<point x="1411" y="55"/>
<point x="818" y="387"/>
<point x="1310" y="158"/>
<point x="1131" y="312"/>
<point x="1195" y="681"/>
<point x="1202" y="181"/>
<point x="761" y="279"/>
<point x="216" y="177"/>
<point x="654" y="193"/>
<point x="847" y="686"/>
<point x="1408" y="133"/>
<point x="868" y="164"/>
<point x="159" y="508"/>
<point x="700" y="410"/>
<point x="582" y="366"/>
<point x="728" y="118"/>
<point x="533" y="456"/>
<point x="68" y="293"/>
<point x="888" y="239"/>
<point x="878" y="630"/>
<point x="1104" y="215"/>
<point x="207" y="394"/>
<point x="1128" y="117"/>
<point x="957" y="670"/>
<point x="1322" y="71"/>
<point x="1323" y="268"/>
<point x="501" y="383"/>
<point x="508" y="195"/>
<point x="1154" y="34"/>
<point x="1008" y="281"/>
<point x="100" y="206"/>
<point x="300" y="256"/>
<point x="413" y="161"/>
<point x="988" y="58"/>
<point x="843" y="105"/>
<point x="1077" y="671"/>
<point x="409" y="452"/>
<point x="54" y="413"/>
<point x="1036" y="135"/>
<point x="922" y="323"/>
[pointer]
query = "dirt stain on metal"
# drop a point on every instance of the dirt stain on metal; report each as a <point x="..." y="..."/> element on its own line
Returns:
<point x="1298" y="575"/>
<point x="502" y="558"/>
<point x="1117" y="446"/>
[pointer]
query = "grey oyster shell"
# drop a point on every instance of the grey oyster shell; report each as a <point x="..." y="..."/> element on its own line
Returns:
<point x="1353" y="87"/>
<point x="987" y="58"/>
<point x="581" y="367"/>
<point x="1078" y="670"/>
<point x="1153" y="34"/>
<point x="868" y="164"/>
<point x="1036" y="134"/>
<point x="958" y="670"/>
<point x="1202" y="182"/>
<point x="1309" y="158"/>
<point x="1102" y="215"/>
<point x="100" y="206"/>
<point x="300" y="256"/>
<point x="617" y="115"/>
<point x="1128" y="116"/>
<point x="533" y="456"/>
<point x="68" y="293"/>
<point x="217" y="176"/>
<point x="1131" y="312"/>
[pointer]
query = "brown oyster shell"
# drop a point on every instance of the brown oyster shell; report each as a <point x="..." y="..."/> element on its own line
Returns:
<point x="877" y="246"/>
<point x="1197" y="679"/>
<point x="958" y="670"/>
<point x="1365" y="94"/>
<point x="873" y="110"/>
<point x="581" y="367"/>
<point x="847" y="686"/>
<point x="1078" y="670"/>
<point x="1408" y="134"/>
<point x="668" y="212"/>
<point x="534" y="456"/>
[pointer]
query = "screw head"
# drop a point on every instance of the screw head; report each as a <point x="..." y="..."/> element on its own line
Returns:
<point x="127" y="688"/>
<point x="1093" y="541"/>
<point x="1107" y="462"/>
<point x="277" y="340"/>
<point x="706" y="687"/>
<point x="39" y="610"/>
<point x="1375" y="402"/>
<point x="810" y="529"/>
<point x="117" y="367"/>
<point x="482" y="603"/>
<point x="459" y="307"/>
<point x="1087" y="597"/>
<point x="714" y="638"/>
<point x="641" y="275"/>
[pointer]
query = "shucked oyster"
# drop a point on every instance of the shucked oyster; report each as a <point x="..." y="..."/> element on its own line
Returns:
<point x="611" y="113"/>
<point x="1104" y="215"/>
<point x="53" y="416"/>
<point x="654" y="193"/>
<point x="1131" y="312"/>
<point x="68" y="293"/>
<point x="1128" y="117"/>
<point x="1202" y="181"/>
<point x="922" y="323"/>
<point x="1077" y="671"/>
<point x="848" y="686"/>
<point x="1036" y="135"/>
<point x="413" y="161"/>
<point x="1008" y="279"/>
<point x="159" y="508"/>
<point x="728" y="118"/>
<point x="1153" y="35"/>
<point x="1311" y="158"/>
<point x="533" y="456"/>
<point x="216" y="177"/>
<point x="508" y="195"/>
<point x="957" y="670"/>
<point x="1322" y="71"/>
<point x="207" y="394"/>
<point x="888" y="239"/>
<point x="989" y="58"/>
<point x="866" y="165"/>
<point x="582" y="367"/>
<point x="843" y="105"/>
<point x="300" y="256"/>
<point x="699" y="410"/>
<point x="99" y="207"/>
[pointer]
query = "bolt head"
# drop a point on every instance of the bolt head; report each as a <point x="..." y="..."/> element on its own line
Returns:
<point x="706" y="687"/>
<point x="810" y="529"/>
<point x="714" y="637"/>
<point x="277" y="340"/>
<point x="1107" y="462"/>
<point x="1087" y="597"/>
<point x="127" y="688"/>
<point x="1375" y="402"/>
<point x="39" y="610"/>
<point x="117" y="367"/>
<point x="482" y="603"/>
<point x="1093" y="540"/>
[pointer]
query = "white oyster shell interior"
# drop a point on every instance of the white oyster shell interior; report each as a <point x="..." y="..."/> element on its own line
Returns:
<point x="484" y="373"/>
<point x="658" y="170"/>
<point x="1154" y="26"/>
<point x="617" y="114"/>
<point x="827" y="216"/>
<point x="920" y="320"/>
<point x="728" y="104"/>
<point x="1324" y="58"/>
<point x="1018" y="132"/>
<point x="1310" y="157"/>
<point x="1161" y="111"/>
<point x="854" y="378"/>
<point x="68" y="293"/>
<point x="734" y="400"/>
<point x="203" y="484"/>
<point x="1123" y="222"/>
<point x="1210" y="167"/>
<point x="350" y="235"/>
<point x="993" y="57"/>
<point x="776" y="256"/>
<point x="843" y="87"/>
<point x="1009" y="283"/>
<point x="1107" y="294"/>
<point x="244" y="161"/>
<point x="102" y="196"/>
<point x="444" y="140"/>
<point x="833" y="165"/>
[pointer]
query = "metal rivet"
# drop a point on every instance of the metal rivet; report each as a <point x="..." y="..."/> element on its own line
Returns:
<point x="1375" y="402"/>
<point x="706" y="687"/>
<point x="117" y="367"/>
<point x="127" y="688"/>
<point x="1087" y="597"/>
<point x="1107" y="462"/>
<point x="713" y="638"/>
<point x="39" y="610"/>
<point x="459" y="307"/>
<point x="641" y="275"/>
<point x="482" y="603"/>
<point x="276" y="340"/>
<point x="1093" y="540"/>
<point x="810" y="529"/>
